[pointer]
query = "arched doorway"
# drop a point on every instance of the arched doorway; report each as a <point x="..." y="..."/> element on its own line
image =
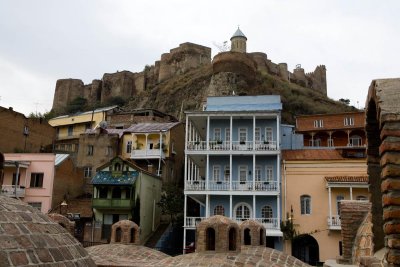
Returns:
<point x="118" y="235"/>
<point x="232" y="239"/>
<point x="210" y="239"/>
<point x="262" y="237"/>
<point x="133" y="232"/>
<point x="306" y="249"/>
<point x="247" y="237"/>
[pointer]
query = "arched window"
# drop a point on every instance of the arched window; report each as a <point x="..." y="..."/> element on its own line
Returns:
<point x="362" y="198"/>
<point x="118" y="234"/>
<point x="232" y="239"/>
<point x="242" y="212"/>
<point x="338" y="200"/>
<point x="266" y="214"/>
<point x="305" y="204"/>
<point x="219" y="210"/>
<point x="210" y="239"/>
<point x="247" y="236"/>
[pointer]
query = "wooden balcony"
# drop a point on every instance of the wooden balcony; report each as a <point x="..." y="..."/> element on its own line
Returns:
<point x="106" y="203"/>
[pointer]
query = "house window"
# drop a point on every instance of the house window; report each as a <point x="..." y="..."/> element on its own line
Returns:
<point x="318" y="124"/>
<point x="305" y="203"/>
<point x="242" y="212"/>
<point x="36" y="179"/>
<point x="268" y="134"/>
<point x="87" y="172"/>
<point x="257" y="133"/>
<point x="36" y="205"/>
<point x="227" y="134"/>
<point x="216" y="173"/>
<point x="217" y="134"/>
<point x="355" y="140"/>
<point x="257" y="173"/>
<point x="348" y="121"/>
<point x="338" y="200"/>
<point x="266" y="212"/>
<point x="227" y="173"/>
<point x="70" y="130"/>
<point x="242" y="173"/>
<point x="219" y="210"/>
<point x="269" y="173"/>
<point x="129" y="147"/>
<point x="315" y="142"/>
<point x="90" y="150"/>
<point x="242" y="135"/>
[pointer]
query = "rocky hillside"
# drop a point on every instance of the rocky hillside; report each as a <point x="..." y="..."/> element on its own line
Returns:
<point x="189" y="91"/>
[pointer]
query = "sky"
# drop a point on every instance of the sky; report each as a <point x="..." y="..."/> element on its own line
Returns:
<point x="45" y="40"/>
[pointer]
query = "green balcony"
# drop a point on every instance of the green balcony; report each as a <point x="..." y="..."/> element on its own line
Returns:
<point x="105" y="203"/>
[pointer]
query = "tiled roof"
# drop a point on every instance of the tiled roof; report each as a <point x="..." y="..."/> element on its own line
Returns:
<point x="105" y="177"/>
<point x="347" y="179"/>
<point x="311" y="154"/>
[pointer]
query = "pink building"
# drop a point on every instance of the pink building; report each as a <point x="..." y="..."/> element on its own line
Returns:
<point x="44" y="180"/>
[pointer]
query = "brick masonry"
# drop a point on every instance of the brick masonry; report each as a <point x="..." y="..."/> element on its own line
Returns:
<point x="125" y="232"/>
<point x="383" y="131"/>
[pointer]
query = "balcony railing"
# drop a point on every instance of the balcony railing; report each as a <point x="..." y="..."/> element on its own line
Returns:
<point x="147" y="153"/>
<point x="112" y="203"/>
<point x="334" y="222"/>
<point x="268" y="186"/>
<point x="9" y="191"/>
<point x="193" y="221"/>
<point x="268" y="223"/>
<point x="236" y="145"/>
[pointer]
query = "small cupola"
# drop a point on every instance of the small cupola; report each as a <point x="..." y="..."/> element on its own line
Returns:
<point x="238" y="42"/>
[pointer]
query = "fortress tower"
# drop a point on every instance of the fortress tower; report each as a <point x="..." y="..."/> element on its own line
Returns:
<point x="238" y="42"/>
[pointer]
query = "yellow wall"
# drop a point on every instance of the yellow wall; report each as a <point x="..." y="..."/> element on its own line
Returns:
<point x="308" y="178"/>
<point x="139" y="142"/>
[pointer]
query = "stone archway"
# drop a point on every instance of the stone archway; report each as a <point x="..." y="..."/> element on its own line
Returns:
<point x="383" y="137"/>
<point x="306" y="249"/>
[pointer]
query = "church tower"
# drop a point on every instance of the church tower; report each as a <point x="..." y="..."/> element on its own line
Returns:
<point x="238" y="42"/>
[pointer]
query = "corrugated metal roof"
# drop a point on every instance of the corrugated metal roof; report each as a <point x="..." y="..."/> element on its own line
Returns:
<point x="60" y="158"/>
<point x="238" y="33"/>
<point x="86" y="112"/>
<point x="244" y="103"/>
<point x="151" y="127"/>
<point x="106" y="178"/>
<point x="311" y="154"/>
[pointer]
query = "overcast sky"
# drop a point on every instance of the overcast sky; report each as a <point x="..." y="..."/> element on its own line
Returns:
<point x="42" y="41"/>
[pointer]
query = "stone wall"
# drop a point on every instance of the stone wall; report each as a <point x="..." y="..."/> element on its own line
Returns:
<point x="352" y="214"/>
<point x="125" y="232"/>
<point x="383" y="134"/>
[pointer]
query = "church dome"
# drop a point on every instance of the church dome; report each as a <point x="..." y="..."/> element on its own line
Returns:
<point x="238" y="33"/>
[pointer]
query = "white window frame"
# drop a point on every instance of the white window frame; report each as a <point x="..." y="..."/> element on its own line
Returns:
<point x="257" y="134"/>
<point x="267" y="210"/>
<point x="217" y="134"/>
<point x="219" y="208"/>
<point x="242" y="168"/>
<point x="305" y="205"/>
<point x="269" y="173"/>
<point x="87" y="172"/>
<point x="319" y="123"/>
<point x="227" y="134"/>
<point x="216" y="177"/>
<point x="269" y="134"/>
<point x="241" y="132"/>
<point x="257" y="174"/>
<point x="355" y="139"/>
<point x="241" y="205"/>
<point x="348" y="121"/>
<point x="227" y="173"/>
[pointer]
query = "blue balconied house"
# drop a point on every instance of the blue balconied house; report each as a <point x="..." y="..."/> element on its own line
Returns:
<point x="232" y="163"/>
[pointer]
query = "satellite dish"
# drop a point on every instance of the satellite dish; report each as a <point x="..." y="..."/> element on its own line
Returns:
<point x="103" y="124"/>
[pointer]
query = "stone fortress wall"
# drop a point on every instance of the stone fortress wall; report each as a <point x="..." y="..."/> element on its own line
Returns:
<point x="179" y="60"/>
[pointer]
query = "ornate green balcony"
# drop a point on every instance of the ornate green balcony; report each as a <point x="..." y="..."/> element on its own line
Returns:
<point x="105" y="203"/>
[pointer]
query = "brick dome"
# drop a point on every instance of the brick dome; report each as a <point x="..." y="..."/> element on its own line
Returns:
<point x="253" y="233"/>
<point x="29" y="237"/>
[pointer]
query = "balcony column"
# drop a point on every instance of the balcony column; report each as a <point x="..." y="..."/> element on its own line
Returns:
<point x="208" y="133"/>
<point x="184" y="209"/>
<point x="230" y="133"/>
<point x="348" y="138"/>
<point x="254" y="171"/>
<point x="278" y="209"/>
<point x="278" y="132"/>
<point x="330" y="204"/>
<point x="230" y="173"/>
<point x="207" y="169"/>
<point x="186" y="170"/>
<point x="351" y="193"/>
<point x="278" y="173"/>
<point x="207" y="205"/>
<point x="230" y="206"/>
<point x="254" y="133"/>
<point x="254" y="206"/>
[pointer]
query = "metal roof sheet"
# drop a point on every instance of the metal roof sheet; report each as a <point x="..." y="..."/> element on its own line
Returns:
<point x="106" y="178"/>
<point x="238" y="33"/>
<point x="60" y="158"/>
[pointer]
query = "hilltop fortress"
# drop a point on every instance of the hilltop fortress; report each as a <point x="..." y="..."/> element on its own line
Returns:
<point x="186" y="57"/>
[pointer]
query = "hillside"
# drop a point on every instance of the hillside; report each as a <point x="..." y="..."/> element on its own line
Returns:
<point x="189" y="91"/>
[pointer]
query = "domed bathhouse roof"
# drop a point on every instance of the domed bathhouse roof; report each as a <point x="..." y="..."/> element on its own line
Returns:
<point x="30" y="238"/>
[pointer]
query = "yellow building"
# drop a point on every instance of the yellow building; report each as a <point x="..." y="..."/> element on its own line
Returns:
<point x="69" y="127"/>
<point x="314" y="182"/>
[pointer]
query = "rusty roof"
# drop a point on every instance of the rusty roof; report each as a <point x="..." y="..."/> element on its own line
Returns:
<point x="311" y="154"/>
<point x="347" y="179"/>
